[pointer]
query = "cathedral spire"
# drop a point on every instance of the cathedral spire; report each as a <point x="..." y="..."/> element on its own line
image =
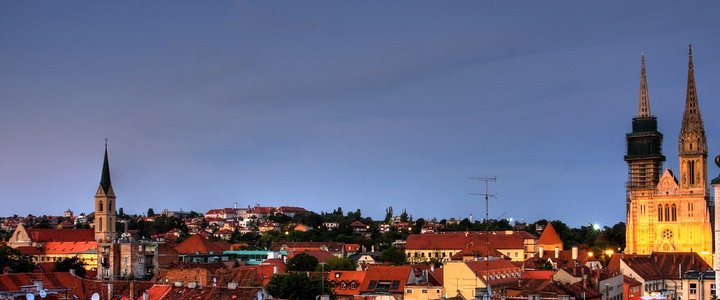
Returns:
<point x="105" y="178"/>
<point x="643" y="99"/>
<point x="692" y="130"/>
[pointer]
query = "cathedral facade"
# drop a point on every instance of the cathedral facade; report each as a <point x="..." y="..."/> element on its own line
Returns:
<point x="666" y="213"/>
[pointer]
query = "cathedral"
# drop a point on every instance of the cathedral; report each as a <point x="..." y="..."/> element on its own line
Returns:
<point x="666" y="213"/>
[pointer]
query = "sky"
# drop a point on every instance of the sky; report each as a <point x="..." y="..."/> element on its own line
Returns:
<point x="352" y="104"/>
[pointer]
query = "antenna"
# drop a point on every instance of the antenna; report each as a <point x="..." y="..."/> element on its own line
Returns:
<point x="487" y="196"/>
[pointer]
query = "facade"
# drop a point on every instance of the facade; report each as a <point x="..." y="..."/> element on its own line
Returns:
<point x="664" y="213"/>
<point x="442" y="247"/>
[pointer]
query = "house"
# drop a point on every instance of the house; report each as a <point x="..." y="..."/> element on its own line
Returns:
<point x="232" y="291"/>
<point x="55" y="251"/>
<point x="549" y="239"/>
<point x="387" y="280"/>
<point x="331" y="225"/>
<point x="359" y="227"/>
<point x="24" y="236"/>
<point x="290" y="211"/>
<point x="465" y="279"/>
<point x="560" y="259"/>
<point x="268" y="226"/>
<point x="197" y="248"/>
<point x="632" y="289"/>
<point x="442" y="246"/>
<point x="337" y="249"/>
<point x="346" y="284"/>
<point x="221" y="213"/>
<point x="660" y="273"/>
<point x="697" y="285"/>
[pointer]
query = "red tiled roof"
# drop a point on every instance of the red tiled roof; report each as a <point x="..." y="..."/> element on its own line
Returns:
<point x="294" y="246"/>
<point x="549" y="236"/>
<point x="459" y="241"/>
<point x="30" y="250"/>
<point x="290" y="209"/>
<point x="498" y="266"/>
<point x="70" y="247"/>
<point x="538" y="274"/>
<point x="201" y="245"/>
<point x="659" y="265"/>
<point x="156" y="292"/>
<point x="61" y="235"/>
<point x="348" y="277"/>
<point x="377" y="274"/>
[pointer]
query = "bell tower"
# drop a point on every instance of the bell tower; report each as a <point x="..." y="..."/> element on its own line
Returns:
<point x="105" y="206"/>
<point x="692" y="144"/>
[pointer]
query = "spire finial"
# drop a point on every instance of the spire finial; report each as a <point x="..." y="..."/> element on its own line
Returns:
<point x="105" y="177"/>
<point x="643" y="98"/>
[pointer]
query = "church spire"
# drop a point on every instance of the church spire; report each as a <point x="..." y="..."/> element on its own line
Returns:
<point x="692" y="130"/>
<point x="643" y="99"/>
<point x="105" y="178"/>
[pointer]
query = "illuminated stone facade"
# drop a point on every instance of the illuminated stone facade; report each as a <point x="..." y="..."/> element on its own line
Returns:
<point x="665" y="214"/>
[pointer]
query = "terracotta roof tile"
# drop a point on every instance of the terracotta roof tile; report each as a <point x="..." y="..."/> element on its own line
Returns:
<point x="376" y="274"/>
<point x="61" y="235"/>
<point x="462" y="240"/>
<point x="199" y="244"/>
<point x="549" y="236"/>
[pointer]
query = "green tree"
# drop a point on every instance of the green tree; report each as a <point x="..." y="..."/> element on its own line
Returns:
<point x="419" y="223"/>
<point x="14" y="261"/>
<point x="296" y="286"/>
<point x="121" y="212"/>
<point x="302" y="262"/>
<point x="393" y="255"/>
<point x="70" y="263"/>
<point x="338" y="263"/>
<point x="150" y="212"/>
<point x="404" y="216"/>
<point x="388" y="214"/>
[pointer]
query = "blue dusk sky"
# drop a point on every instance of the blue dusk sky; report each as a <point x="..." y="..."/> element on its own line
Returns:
<point x="353" y="104"/>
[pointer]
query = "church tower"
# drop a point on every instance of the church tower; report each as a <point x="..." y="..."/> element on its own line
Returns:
<point x="692" y="145"/>
<point x="666" y="214"/>
<point x="105" y="206"/>
<point x="644" y="144"/>
<point x="645" y="159"/>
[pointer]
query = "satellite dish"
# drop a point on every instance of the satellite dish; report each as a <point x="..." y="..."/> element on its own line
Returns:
<point x="94" y="296"/>
<point x="30" y="296"/>
<point x="43" y="294"/>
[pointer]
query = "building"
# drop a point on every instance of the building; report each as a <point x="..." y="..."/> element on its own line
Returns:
<point x="467" y="279"/>
<point x="665" y="213"/>
<point x="122" y="256"/>
<point x="443" y="246"/>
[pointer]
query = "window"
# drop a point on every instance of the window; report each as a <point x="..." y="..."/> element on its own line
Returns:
<point x="100" y="224"/>
<point x="693" y="288"/>
<point x="712" y="289"/>
<point x="343" y="286"/>
<point x="372" y="285"/>
<point x="424" y="291"/>
<point x="100" y="205"/>
<point x="395" y="285"/>
<point x="691" y="172"/>
<point x="659" y="213"/>
<point x="667" y="212"/>
<point x="353" y="285"/>
<point x="674" y="213"/>
<point x="408" y="291"/>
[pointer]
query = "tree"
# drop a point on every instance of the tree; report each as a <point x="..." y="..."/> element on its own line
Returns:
<point x="14" y="261"/>
<point x="295" y="286"/>
<point x="418" y="225"/>
<point x="150" y="212"/>
<point x="121" y="212"/>
<point x="393" y="255"/>
<point x="388" y="214"/>
<point x="70" y="263"/>
<point x="404" y="216"/>
<point x="302" y="262"/>
<point x="338" y="263"/>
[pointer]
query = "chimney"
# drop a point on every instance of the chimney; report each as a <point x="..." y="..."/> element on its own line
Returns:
<point x="432" y="267"/>
<point x="372" y="248"/>
<point x="541" y="252"/>
<point x="275" y="269"/>
<point x="557" y="252"/>
<point x="72" y="272"/>
<point x="575" y="253"/>
<point x="146" y="296"/>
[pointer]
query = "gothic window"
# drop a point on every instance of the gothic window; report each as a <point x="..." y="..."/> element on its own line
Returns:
<point x="110" y="209"/>
<point x="100" y="224"/>
<point x="100" y="205"/>
<point x="667" y="213"/>
<point x="674" y="213"/>
<point x="659" y="213"/>
<point x="691" y="172"/>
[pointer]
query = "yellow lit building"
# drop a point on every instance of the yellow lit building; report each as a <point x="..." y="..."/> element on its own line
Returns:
<point x="665" y="213"/>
